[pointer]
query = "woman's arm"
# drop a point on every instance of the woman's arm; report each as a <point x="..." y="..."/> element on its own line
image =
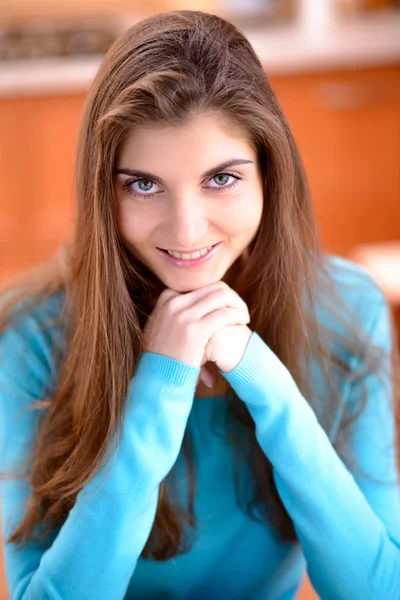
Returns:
<point x="348" y="526"/>
<point x="95" y="552"/>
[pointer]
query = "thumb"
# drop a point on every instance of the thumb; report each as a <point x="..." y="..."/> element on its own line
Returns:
<point x="204" y="359"/>
<point x="206" y="377"/>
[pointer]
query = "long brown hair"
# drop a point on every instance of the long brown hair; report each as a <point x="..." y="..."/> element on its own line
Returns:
<point x="164" y="70"/>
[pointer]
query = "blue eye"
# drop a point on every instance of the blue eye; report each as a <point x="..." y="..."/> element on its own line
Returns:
<point x="225" y="176"/>
<point x="147" y="184"/>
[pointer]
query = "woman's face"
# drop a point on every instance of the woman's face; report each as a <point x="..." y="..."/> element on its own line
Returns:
<point x="185" y="188"/>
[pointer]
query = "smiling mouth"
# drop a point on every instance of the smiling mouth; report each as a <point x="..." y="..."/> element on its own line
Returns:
<point x="191" y="260"/>
<point x="171" y="252"/>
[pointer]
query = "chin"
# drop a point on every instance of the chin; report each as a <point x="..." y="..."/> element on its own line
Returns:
<point x="185" y="288"/>
<point x="196" y="283"/>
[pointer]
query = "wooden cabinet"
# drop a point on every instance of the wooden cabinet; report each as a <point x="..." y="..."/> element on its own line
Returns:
<point x="37" y="154"/>
<point x="25" y="9"/>
<point x="346" y="124"/>
<point x="347" y="127"/>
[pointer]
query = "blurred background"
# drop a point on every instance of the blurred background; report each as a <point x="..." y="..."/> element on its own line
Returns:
<point x="333" y="64"/>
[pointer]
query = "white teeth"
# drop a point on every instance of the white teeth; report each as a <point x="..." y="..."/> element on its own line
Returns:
<point x="190" y="256"/>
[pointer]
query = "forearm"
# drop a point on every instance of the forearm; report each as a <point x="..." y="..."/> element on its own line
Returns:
<point x="348" y="550"/>
<point x="95" y="552"/>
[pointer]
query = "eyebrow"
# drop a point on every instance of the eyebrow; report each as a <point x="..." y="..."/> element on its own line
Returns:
<point x="224" y="165"/>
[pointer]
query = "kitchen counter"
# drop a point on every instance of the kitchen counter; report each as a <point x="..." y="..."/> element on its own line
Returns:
<point x="314" y="42"/>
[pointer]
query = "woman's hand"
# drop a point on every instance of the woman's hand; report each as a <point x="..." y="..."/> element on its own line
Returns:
<point x="182" y="325"/>
<point x="226" y="347"/>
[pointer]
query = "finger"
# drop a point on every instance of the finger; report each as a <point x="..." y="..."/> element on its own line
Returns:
<point x="190" y="298"/>
<point x="218" y="319"/>
<point x="207" y="377"/>
<point x="167" y="295"/>
<point x="216" y="300"/>
<point x="204" y="359"/>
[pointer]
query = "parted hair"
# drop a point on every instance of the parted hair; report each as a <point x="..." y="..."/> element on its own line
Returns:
<point x="167" y="69"/>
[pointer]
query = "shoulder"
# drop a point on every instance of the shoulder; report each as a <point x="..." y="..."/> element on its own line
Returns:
<point x="31" y="345"/>
<point x="40" y="312"/>
<point x="351" y="296"/>
<point x="354" y="284"/>
<point x="32" y="339"/>
<point x="354" y="329"/>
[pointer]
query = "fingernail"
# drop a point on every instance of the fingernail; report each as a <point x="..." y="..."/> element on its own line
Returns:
<point x="208" y="378"/>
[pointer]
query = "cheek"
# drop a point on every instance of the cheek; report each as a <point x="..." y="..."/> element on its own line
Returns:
<point x="244" y="216"/>
<point x="133" y="228"/>
<point x="255" y="207"/>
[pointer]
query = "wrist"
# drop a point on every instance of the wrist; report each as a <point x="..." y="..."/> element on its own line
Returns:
<point x="235" y="355"/>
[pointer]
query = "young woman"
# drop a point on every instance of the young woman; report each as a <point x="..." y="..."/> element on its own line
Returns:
<point x="196" y="402"/>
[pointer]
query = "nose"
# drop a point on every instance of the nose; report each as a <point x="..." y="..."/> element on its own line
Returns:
<point x="188" y="223"/>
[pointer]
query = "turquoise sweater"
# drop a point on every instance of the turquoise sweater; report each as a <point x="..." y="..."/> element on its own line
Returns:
<point x="348" y="525"/>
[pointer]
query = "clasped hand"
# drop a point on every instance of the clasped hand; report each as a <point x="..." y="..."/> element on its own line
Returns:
<point x="207" y="324"/>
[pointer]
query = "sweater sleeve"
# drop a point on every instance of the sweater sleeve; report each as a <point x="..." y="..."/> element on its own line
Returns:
<point x="348" y="525"/>
<point x="94" y="553"/>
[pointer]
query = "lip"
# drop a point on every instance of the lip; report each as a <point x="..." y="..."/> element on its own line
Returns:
<point x="192" y="251"/>
<point x="191" y="263"/>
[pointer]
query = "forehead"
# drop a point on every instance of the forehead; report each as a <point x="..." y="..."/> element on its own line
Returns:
<point x="201" y="133"/>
